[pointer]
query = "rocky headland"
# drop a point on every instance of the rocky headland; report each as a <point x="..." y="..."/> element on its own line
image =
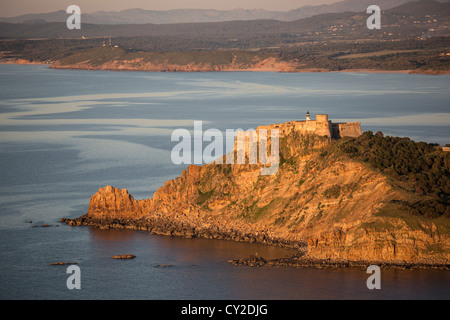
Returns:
<point x="341" y="201"/>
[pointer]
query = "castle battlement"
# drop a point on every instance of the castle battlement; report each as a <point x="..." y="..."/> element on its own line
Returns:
<point x="321" y="126"/>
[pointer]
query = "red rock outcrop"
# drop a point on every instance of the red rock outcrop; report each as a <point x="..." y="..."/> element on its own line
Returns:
<point x="113" y="203"/>
<point x="319" y="201"/>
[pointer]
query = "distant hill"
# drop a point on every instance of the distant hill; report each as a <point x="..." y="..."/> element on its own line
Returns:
<point x="416" y="8"/>
<point x="141" y="16"/>
<point x="57" y="16"/>
<point x="341" y="6"/>
<point x="405" y="21"/>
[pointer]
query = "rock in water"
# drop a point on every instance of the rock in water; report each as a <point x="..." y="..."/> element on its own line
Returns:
<point x="61" y="263"/>
<point x="252" y="261"/>
<point x="124" y="256"/>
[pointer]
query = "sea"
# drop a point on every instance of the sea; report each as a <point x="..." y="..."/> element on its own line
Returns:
<point x="66" y="133"/>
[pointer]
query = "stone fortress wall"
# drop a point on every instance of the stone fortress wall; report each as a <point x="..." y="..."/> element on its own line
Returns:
<point x="321" y="126"/>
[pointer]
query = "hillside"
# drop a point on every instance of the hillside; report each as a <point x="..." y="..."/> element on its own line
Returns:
<point x="419" y="57"/>
<point x="106" y="58"/>
<point x="414" y="38"/>
<point x="370" y="198"/>
<point x="141" y="16"/>
<point x="413" y="19"/>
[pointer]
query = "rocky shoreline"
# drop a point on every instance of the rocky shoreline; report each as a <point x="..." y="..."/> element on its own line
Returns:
<point x="299" y="260"/>
<point x="303" y="261"/>
<point x="167" y="227"/>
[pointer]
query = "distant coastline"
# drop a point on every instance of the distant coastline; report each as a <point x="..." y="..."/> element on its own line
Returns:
<point x="270" y="67"/>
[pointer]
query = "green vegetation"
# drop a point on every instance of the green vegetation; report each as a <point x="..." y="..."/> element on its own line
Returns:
<point x="204" y="196"/>
<point x="211" y="58"/>
<point x="411" y="54"/>
<point x="101" y="55"/>
<point x="96" y="56"/>
<point x="413" y="37"/>
<point x="413" y="218"/>
<point x="333" y="192"/>
<point x="383" y="53"/>
<point x="418" y="167"/>
<point x="419" y="55"/>
<point x="378" y="226"/>
<point x="254" y="213"/>
<point x="300" y="182"/>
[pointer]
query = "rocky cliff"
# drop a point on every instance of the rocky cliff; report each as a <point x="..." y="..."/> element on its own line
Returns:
<point x="322" y="201"/>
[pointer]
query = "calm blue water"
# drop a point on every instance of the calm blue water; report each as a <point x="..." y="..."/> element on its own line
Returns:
<point x="64" y="134"/>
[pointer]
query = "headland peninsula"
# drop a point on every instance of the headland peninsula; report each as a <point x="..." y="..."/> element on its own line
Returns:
<point x="341" y="197"/>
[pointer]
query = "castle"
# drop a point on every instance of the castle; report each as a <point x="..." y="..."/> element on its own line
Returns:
<point x="321" y="126"/>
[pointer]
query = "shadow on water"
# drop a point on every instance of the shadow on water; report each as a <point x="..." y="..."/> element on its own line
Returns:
<point x="199" y="269"/>
<point x="195" y="249"/>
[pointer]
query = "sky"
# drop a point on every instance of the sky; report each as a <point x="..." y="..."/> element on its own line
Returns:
<point x="11" y="8"/>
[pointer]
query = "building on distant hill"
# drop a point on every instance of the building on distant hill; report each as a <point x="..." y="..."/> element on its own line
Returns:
<point x="321" y="126"/>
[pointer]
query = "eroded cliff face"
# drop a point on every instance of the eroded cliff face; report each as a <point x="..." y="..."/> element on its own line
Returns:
<point x="319" y="201"/>
<point x="113" y="203"/>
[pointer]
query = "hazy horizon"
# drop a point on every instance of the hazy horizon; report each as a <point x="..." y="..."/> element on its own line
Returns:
<point x="12" y="8"/>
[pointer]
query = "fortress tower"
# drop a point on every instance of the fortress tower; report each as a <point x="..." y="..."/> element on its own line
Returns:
<point x="321" y="126"/>
<point x="322" y="118"/>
